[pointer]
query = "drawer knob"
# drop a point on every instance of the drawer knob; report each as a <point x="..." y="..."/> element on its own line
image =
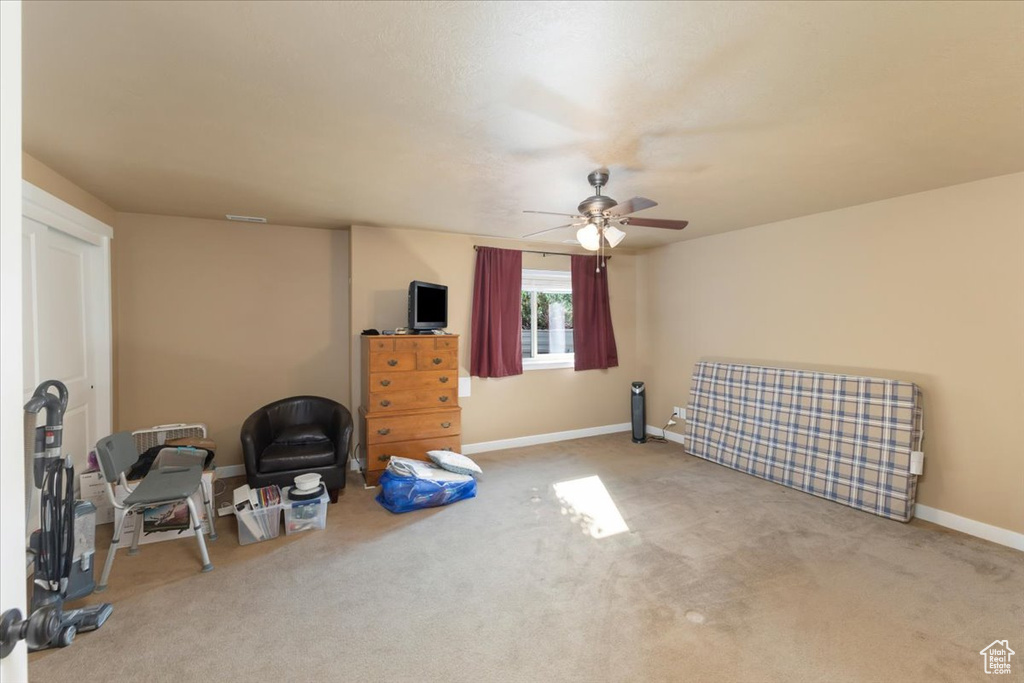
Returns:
<point x="384" y="457"/>
<point x="385" y="383"/>
<point x="384" y="432"/>
<point x="438" y="361"/>
<point x="446" y="425"/>
<point x="385" y="403"/>
<point x="442" y="399"/>
<point x="443" y="380"/>
<point x="392" y="362"/>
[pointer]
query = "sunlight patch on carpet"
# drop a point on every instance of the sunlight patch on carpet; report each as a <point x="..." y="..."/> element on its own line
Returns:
<point x="587" y="503"/>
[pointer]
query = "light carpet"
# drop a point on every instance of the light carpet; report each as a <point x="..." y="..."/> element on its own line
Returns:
<point x="720" y="577"/>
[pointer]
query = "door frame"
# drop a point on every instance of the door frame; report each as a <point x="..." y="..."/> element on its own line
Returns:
<point x="55" y="213"/>
<point x="12" y="447"/>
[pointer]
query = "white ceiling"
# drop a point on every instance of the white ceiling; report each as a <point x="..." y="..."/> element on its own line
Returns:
<point x="456" y="116"/>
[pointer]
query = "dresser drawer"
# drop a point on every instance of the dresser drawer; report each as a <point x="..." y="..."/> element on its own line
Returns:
<point x="447" y="343"/>
<point x="412" y="400"/>
<point x="430" y="424"/>
<point x="386" y="382"/>
<point x="380" y="344"/>
<point x="377" y="456"/>
<point x="415" y="343"/>
<point x="437" y="360"/>
<point x="392" y="360"/>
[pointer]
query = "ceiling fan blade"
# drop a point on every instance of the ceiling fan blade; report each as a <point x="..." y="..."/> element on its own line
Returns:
<point x="541" y="232"/>
<point x="656" y="223"/>
<point x="551" y="105"/>
<point x="632" y="206"/>
<point x="553" y="213"/>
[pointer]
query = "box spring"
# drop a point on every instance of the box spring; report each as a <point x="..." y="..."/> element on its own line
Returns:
<point x="845" y="438"/>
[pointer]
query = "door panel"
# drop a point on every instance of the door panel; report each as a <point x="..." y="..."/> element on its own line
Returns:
<point x="57" y="337"/>
<point x="63" y="344"/>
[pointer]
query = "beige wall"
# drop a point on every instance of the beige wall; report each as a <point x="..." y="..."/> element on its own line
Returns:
<point x="385" y="260"/>
<point x="45" y="178"/>
<point x="928" y="287"/>
<point x="216" y="319"/>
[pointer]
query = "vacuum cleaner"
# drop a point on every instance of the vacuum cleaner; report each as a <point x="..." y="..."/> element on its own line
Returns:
<point x="63" y="546"/>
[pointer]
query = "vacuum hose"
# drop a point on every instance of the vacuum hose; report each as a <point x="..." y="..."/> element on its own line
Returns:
<point x="57" y="524"/>
<point x="54" y="476"/>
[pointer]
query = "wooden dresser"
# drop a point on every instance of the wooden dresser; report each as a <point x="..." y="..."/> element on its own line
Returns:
<point x="410" y="399"/>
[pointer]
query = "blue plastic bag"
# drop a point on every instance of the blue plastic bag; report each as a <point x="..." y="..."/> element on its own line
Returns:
<point x="404" y="494"/>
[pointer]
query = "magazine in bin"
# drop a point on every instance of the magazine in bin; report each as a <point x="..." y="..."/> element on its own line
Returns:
<point x="258" y="512"/>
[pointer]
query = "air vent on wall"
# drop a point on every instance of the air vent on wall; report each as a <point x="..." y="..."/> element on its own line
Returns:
<point x="245" y="219"/>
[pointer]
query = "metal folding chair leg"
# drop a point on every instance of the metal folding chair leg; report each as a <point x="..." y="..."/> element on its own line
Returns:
<point x="198" y="526"/>
<point x="209" y="512"/>
<point x="111" y="552"/>
<point x="139" y="524"/>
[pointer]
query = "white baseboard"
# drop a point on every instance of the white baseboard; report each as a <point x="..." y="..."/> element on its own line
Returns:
<point x="230" y="470"/>
<point x="971" y="527"/>
<point x="535" y="439"/>
<point x="669" y="436"/>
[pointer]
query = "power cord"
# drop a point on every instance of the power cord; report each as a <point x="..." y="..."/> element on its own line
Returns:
<point x="663" y="439"/>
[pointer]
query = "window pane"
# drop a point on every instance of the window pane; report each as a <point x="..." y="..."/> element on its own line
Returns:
<point x="526" y="331"/>
<point x="554" y="323"/>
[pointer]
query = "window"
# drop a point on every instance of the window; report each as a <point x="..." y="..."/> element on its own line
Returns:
<point x="547" y="319"/>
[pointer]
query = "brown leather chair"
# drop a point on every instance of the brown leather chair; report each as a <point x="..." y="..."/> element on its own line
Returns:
<point x="294" y="436"/>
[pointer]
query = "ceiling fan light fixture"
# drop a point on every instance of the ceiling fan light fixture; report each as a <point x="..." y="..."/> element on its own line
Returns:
<point x="600" y="211"/>
<point x="589" y="237"/>
<point x="613" y="235"/>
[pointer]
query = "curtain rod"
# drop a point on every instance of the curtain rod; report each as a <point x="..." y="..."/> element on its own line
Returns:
<point x="476" y="247"/>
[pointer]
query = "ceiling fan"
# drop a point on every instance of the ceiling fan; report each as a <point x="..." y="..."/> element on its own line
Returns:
<point x="599" y="216"/>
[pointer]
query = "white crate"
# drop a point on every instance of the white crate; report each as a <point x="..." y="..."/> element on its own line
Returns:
<point x="258" y="525"/>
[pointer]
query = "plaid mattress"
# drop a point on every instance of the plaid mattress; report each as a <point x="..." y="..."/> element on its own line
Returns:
<point x="840" y="437"/>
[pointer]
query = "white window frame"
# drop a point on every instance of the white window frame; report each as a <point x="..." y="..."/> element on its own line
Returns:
<point x="555" y="282"/>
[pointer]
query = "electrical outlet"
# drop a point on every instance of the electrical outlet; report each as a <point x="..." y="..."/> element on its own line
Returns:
<point x="680" y="412"/>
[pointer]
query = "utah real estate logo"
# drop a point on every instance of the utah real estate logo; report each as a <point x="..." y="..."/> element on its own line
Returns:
<point x="997" y="657"/>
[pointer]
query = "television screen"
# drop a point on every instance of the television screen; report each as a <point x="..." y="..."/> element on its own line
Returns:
<point x="428" y="306"/>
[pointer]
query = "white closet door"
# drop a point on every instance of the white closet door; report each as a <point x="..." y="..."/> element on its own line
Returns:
<point x="64" y="321"/>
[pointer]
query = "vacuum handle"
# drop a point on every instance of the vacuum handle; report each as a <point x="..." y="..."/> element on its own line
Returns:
<point x="62" y="392"/>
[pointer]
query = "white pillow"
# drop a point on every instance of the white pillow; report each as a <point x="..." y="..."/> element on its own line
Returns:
<point x="454" y="462"/>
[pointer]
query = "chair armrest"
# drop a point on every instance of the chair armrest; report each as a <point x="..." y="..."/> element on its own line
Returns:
<point x="341" y="432"/>
<point x="256" y="437"/>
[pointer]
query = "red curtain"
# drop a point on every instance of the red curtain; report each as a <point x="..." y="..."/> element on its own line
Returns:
<point x="592" y="316"/>
<point x="496" y="345"/>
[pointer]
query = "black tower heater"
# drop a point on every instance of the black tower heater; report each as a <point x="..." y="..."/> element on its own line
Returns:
<point x="639" y="410"/>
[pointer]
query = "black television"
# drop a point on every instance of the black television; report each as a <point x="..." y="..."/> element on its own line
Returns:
<point x="428" y="306"/>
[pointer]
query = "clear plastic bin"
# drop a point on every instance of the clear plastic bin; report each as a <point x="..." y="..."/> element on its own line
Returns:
<point x="258" y="525"/>
<point x="304" y="515"/>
